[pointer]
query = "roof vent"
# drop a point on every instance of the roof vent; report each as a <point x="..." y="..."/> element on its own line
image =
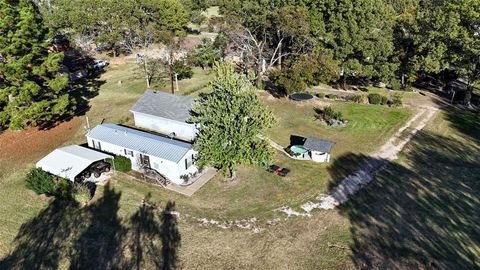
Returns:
<point x="154" y="92"/>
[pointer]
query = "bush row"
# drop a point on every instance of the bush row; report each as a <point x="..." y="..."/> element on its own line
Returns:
<point x="121" y="164"/>
<point x="373" y="98"/>
<point x="42" y="182"/>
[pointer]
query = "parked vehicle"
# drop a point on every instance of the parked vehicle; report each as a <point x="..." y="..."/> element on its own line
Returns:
<point x="99" y="64"/>
<point x="278" y="170"/>
<point x="100" y="167"/>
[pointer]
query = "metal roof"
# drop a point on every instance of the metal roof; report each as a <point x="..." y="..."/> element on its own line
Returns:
<point x="140" y="141"/>
<point x="315" y="144"/>
<point x="69" y="161"/>
<point x="164" y="105"/>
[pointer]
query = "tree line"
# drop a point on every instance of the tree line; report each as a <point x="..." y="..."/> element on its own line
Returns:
<point x="295" y="43"/>
<point x="284" y="44"/>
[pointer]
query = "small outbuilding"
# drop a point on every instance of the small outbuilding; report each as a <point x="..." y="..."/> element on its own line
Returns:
<point x="310" y="148"/>
<point x="319" y="149"/>
<point x="165" y="113"/>
<point x="69" y="161"/>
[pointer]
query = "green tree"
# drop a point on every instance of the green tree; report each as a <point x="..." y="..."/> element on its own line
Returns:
<point x="359" y="33"/>
<point x="205" y="54"/>
<point x="448" y="36"/>
<point x="32" y="89"/>
<point x="231" y="117"/>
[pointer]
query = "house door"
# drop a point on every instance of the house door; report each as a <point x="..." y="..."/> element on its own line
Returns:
<point x="145" y="161"/>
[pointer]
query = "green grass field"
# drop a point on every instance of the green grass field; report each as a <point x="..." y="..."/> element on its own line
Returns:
<point x="419" y="213"/>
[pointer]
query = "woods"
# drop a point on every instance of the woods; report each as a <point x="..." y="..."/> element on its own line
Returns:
<point x="285" y="45"/>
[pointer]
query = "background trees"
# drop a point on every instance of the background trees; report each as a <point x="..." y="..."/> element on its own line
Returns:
<point x="231" y="117"/>
<point x="32" y="89"/>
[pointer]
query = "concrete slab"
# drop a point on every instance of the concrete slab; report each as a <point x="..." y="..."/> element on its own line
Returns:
<point x="189" y="190"/>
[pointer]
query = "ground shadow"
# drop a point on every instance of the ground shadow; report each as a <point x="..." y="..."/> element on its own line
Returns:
<point x="154" y="237"/>
<point x="466" y="122"/>
<point x="95" y="237"/>
<point x="99" y="245"/>
<point x="170" y="236"/>
<point x="39" y="240"/>
<point x="422" y="215"/>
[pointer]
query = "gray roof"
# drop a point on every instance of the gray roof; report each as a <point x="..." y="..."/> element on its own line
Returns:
<point x="147" y="143"/>
<point x="315" y="144"/>
<point x="69" y="161"/>
<point x="164" y="105"/>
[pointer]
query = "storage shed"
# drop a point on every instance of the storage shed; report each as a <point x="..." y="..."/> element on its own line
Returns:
<point x="69" y="161"/>
<point x="165" y="113"/>
<point x="319" y="149"/>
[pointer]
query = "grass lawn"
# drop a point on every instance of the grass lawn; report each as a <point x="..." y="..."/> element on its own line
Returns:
<point x="420" y="210"/>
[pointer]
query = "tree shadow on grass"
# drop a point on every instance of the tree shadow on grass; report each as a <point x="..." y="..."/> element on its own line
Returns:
<point x="94" y="237"/>
<point x="39" y="241"/>
<point x="466" y="122"/>
<point x="422" y="215"/>
<point x="155" y="237"/>
<point x="99" y="244"/>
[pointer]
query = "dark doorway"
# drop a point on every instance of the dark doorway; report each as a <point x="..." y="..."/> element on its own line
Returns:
<point x="145" y="160"/>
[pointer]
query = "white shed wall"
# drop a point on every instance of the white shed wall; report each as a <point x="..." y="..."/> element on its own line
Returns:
<point x="183" y="131"/>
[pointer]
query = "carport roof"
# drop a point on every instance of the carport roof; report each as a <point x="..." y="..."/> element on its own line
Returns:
<point x="69" y="161"/>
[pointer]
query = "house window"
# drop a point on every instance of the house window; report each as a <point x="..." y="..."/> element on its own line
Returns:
<point x="128" y="153"/>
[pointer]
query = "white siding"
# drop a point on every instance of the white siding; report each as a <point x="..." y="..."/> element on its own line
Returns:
<point x="170" y="169"/>
<point x="165" y="126"/>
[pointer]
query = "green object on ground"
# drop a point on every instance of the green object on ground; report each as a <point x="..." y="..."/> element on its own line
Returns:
<point x="298" y="149"/>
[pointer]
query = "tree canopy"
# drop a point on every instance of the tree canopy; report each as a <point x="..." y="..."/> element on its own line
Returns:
<point x="32" y="89"/>
<point x="231" y="117"/>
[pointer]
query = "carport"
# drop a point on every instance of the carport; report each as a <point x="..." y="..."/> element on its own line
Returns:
<point x="69" y="161"/>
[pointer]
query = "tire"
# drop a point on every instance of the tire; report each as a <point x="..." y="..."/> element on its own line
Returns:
<point x="88" y="174"/>
<point x="107" y="169"/>
<point x="96" y="174"/>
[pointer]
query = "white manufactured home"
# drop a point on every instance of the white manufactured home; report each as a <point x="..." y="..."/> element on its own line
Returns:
<point x="171" y="158"/>
<point x="165" y="113"/>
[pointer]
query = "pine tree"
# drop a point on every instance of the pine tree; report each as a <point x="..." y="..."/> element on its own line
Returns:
<point x="32" y="91"/>
<point x="231" y="118"/>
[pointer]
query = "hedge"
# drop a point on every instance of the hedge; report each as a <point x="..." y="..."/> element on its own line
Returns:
<point x="375" y="98"/>
<point x="121" y="164"/>
<point x="40" y="181"/>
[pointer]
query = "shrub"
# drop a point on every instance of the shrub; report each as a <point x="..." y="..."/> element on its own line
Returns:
<point x="354" y="98"/>
<point x="328" y="114"/>
<point x="374" y="98"/>
<point x="63" y="189"/>
<point x="121" y="164"/>
<point x="384" y="100"/>
<point x="397" y="100"/>
<point x="40" y="181"/>
<point x="331" y="96"/>
<point x="321" y="95"/>
<point x="395" y="85"/>
<point x="408" y="88"/>
<point x="81" y="194"/>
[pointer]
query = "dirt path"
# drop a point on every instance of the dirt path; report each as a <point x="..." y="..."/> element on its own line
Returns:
<point x="364" y="175"/>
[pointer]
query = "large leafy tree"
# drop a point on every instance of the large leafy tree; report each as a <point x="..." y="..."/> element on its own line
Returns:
<point x="265" y="32"/>
<point x="359" y="34"/>
<point x="231" y="118"/>
<point x="448" y="36"/>
<point x="32" y="91"/>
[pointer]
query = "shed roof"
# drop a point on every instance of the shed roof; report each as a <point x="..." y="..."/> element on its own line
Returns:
<point x="164" y="105"/>
<point x="315" y="144"/>
<point x="144" y="142"/>
<point x="69" y="161"/>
